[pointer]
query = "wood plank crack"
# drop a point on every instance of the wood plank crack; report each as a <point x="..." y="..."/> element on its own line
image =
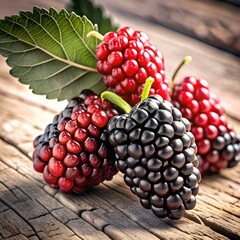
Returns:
<point x="98" y="223"/>
<point x="219" y="229"/>
<point x="22" y="219"/>
<point x="13" y="144"/>
<point x="108" y="211"/>
<point x="47" y="216"/>
<point x="27" y="101"/>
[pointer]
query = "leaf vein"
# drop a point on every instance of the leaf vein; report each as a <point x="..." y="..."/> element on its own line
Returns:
<point x="77" y="65"/>
<point x="81" y="37"/>
<point x="50" y="35"/>
<point x="35" y="65"/>
<point x="14" y="22"/>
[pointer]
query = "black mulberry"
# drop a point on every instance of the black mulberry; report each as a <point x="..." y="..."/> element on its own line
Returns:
<point x="156" y="151"/>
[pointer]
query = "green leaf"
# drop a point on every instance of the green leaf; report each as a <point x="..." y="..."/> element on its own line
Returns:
<point x="94" y="13"/>
<point x="49" y="51"/>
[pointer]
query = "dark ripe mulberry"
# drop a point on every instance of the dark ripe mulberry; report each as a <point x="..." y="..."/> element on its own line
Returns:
<point x="73" y="152"/>
<point x="157" y="154"/>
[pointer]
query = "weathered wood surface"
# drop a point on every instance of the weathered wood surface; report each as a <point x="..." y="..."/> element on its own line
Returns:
<point x="31" y="210"/>
<point x="219" y="68"/>
<point x="212" y="21"/>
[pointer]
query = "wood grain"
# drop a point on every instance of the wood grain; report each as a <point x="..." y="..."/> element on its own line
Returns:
<point x="110" y="203"/>
<point x="210" y="21"/>
<point x="29" y="209"/>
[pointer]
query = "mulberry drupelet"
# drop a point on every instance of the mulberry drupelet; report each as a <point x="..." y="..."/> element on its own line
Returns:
<point x="73" y="153"/>
<point x="218" y="144"/>
<point x="157" y="154"/>
<point x="126" y="58"/>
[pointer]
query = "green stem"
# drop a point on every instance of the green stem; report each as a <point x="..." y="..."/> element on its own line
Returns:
<point x="122" y="104"/>
<point x="146" y="89"/>
<point x="116" y="100"/>
<point x="186" y="60"/>
<point x="96" y="35"/>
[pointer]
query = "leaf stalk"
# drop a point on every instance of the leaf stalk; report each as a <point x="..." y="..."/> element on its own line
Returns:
<point x="146" y="89"/>
<point x="185" y="61"/>
<point x="116" y="100"/>
<point x="96" y="35"/>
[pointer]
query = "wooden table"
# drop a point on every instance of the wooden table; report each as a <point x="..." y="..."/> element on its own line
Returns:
<point x="29" y="209"/>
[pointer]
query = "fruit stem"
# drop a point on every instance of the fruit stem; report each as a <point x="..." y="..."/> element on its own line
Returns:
<point x="96" y="35"/>
<point x="186" y="60"/>
<point x="116" y="100"/>
<point x="146" y="89"/>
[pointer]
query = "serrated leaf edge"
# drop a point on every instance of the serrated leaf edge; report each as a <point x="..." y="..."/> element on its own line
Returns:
<point x="71" y="63"/>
